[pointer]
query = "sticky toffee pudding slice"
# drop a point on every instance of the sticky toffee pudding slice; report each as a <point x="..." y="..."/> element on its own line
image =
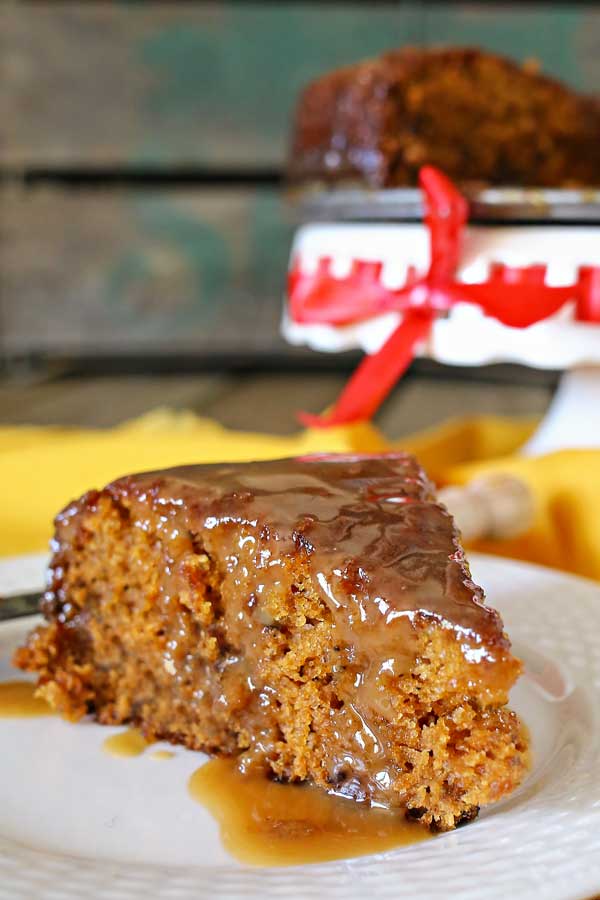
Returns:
<point x="313" y="617"/>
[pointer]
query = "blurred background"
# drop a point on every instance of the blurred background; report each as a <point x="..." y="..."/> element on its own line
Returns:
<point x="144" y="235"/>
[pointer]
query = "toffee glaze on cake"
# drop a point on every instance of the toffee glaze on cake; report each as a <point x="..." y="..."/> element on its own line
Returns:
<point x="313" y="617"/>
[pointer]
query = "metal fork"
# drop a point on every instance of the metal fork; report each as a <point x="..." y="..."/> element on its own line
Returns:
<point x="19" y="605"/>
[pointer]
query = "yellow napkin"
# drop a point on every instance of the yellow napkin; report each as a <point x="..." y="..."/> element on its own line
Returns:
<point x="44" y="468"/>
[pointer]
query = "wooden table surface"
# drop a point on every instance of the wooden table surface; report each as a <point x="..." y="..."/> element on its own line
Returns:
<point x="259" y="402"/>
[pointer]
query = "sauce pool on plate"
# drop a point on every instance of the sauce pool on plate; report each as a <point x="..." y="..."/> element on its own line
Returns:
<point x="126" y="743"/>
<point x="162" y="754"/>
<point x="266" y="823"/>
<point x="262" y="822"/>
<point x="18" y="701"/>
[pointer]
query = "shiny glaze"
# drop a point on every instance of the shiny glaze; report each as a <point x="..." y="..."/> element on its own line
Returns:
<point x="376" y="542"/>
<point x="264" y="823"/>
<point x="125" y="743"/>
<point x="160" y="755"/>
<point x="18" y="701"/>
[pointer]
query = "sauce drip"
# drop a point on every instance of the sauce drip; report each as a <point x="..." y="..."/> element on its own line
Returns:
<point x="162" y="754"/>
<point x="18" y="700"/>
<point x="126" y="743"/>
<point x="264" y="823"/>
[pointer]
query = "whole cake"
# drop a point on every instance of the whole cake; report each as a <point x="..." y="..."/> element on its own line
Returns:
<point x="314" y="616"/>
<point x="477" y="116"/>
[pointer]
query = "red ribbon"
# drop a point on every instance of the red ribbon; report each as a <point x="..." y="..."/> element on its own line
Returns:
<point x="515" y="296"/>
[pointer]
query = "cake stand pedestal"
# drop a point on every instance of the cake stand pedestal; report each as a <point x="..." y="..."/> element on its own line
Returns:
<point x="573" y="419"/>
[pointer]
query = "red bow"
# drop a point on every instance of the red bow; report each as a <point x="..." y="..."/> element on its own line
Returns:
<point x="517" y="297"/>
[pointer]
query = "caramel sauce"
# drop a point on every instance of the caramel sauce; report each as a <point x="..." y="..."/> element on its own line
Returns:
<point x="162" y="754"/>
<point x="126" y="743"/>
<point x="379" y="548"/>
<point x="18" y="700"/>
<point x="264" y="823"/>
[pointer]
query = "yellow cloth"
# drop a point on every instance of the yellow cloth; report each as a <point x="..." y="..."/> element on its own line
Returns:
<point x="44" y="468"/>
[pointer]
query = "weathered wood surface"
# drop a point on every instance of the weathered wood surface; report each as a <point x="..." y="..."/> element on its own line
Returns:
<point x="212" y="85"/>
<point x="104" y="402"/>
<point x="142" y="84"/>
<point x="128" y="271"/>
<point x="270" y="403"/>
<point x="255" y="402"/>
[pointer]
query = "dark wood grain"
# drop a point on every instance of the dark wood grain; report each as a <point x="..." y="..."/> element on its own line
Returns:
<point x="142" y="271"/>
<point x="255" y="402"/>
<point x="106" y="401"/>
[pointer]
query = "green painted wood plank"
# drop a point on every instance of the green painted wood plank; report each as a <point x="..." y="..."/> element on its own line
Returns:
<point x="208" y="85"/>
<point x="133" y="271"/>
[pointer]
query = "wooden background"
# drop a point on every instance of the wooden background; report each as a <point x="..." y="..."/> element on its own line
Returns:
<point x="141" y="152"/>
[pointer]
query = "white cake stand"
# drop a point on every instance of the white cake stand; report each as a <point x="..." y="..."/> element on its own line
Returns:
<point x="466" y="336"/>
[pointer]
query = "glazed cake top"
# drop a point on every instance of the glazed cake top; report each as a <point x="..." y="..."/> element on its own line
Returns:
<point x="376" y="541"/>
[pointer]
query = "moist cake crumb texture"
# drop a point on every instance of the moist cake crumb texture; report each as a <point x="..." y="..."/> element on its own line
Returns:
<point x="479" y="117"/>
<point x="315" y="617"/>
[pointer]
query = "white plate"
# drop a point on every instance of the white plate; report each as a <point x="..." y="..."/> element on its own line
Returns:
<point x="76" y="823"/>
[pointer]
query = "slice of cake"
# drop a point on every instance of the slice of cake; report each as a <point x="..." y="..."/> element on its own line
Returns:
<point x="477" y="116"/>
<point x="315" y="616"/>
